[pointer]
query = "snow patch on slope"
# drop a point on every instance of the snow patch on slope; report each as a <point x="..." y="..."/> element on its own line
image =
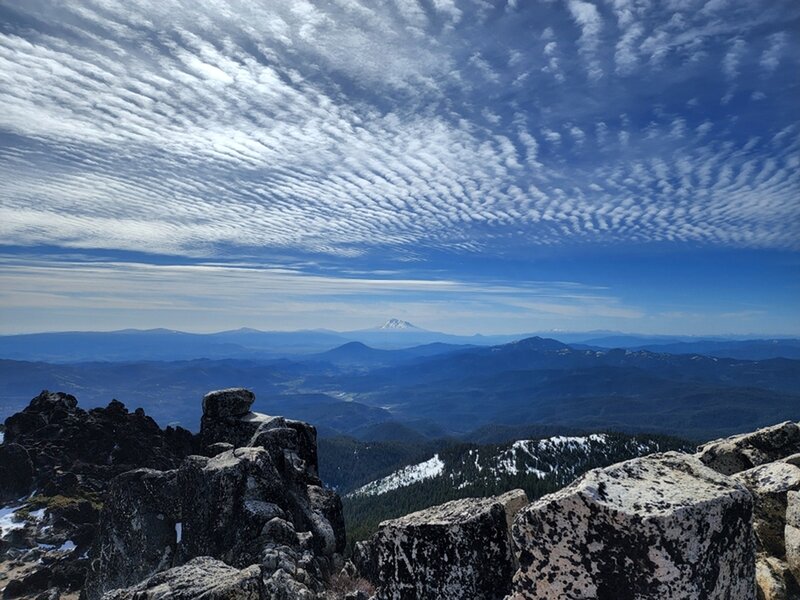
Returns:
<point x="402" y="478"/>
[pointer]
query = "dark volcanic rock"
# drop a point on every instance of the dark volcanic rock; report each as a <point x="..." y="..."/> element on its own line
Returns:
<point x="748" y="450"/>
<point x="653" y="528"/>
<point x="202" y="578"/>
<point x="456" y="551"/>
<point x="96" y="445"/>
<point x="16" y="472"/>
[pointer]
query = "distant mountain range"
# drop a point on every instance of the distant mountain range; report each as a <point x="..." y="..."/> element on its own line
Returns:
<point x="440" y="390"/>
<point x="394" y="334"/>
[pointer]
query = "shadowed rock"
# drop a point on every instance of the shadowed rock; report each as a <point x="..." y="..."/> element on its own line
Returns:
<point x="663" y="527"/>
<point x="138" y="533"/>
<point x="741" y="452"/>
<point x="16" y="472"/>
<point x="456" y="551"/>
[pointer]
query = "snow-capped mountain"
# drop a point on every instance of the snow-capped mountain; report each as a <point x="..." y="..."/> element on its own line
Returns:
<point x="555" y="460"/>
<point x="399" y="325"/>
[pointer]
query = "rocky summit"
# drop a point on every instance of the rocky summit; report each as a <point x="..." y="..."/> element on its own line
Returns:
<point x="105" y="505"/>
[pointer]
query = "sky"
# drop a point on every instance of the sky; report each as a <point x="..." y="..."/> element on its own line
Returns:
<point x="466" y="165"/>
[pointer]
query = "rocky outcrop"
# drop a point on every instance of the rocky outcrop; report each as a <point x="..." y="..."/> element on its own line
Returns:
<point x="255" y="502"/>
<point x="741" y="452"/>
<point x="55" y="465"/>
<point x="460" y="550"/>
<point x="94" y="445"/>
<point x="659" y="527"/>
<point x="204" y="578"/>
<point x="773" y="482"/>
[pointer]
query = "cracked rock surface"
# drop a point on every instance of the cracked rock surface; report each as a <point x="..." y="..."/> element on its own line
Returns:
<point x="455" y="551"/>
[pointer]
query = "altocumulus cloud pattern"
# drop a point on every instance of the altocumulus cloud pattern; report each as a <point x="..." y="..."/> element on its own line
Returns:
<point x="343" y="128"/>
<point x="464" y="164"/>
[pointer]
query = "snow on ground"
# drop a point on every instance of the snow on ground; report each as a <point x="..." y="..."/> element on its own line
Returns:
<point x="402" y="478"/>
<point x="7" y="522"/>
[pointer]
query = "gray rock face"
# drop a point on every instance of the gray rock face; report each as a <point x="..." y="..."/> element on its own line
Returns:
<point x="138" y="534"/>
<point x="741" y="452"/>
<point x="204" y="578"/>
<point x="769" y="485"/>
<point x="233" y="402"/>
<point x="654" y="528"/>
<point x="456" y="551"/>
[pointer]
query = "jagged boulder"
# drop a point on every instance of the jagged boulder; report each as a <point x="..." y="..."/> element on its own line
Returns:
<point x="224" y="422"/>
<point x="654" y="528"/>
<point x="460" y="550"/>
<point x="770" y="485"/>
<point x="741" y="452"/>
<point x="138" y="534"/>
<point x="201" y="578"/>
<point x="94" y="445"/>
<point x="232" y="402"/>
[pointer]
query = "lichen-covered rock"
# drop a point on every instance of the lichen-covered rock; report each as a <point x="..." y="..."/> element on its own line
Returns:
<point x="233" y="402"/>
<point x="16" y="472"/>
<point x="138" y="535"/>
<point x="202" y="578"/>
<point x="456" y="551"/>
<point x="653" y="528"/>
<point x="769" y="485"/>
<point x="792" y="533"/>
<point x="741" y="452"/>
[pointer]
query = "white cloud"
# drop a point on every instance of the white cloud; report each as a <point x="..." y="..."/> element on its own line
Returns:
<point x="588" y="18"/>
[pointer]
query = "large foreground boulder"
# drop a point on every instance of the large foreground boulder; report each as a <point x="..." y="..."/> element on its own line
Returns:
<point x="741" y="452"/>
<point x="202" y="578"/>
<point x="456" y="551"/>
<point x="663" y="527"/>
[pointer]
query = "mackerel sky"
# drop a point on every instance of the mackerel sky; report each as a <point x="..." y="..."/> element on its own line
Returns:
<point x="467" y="165"/>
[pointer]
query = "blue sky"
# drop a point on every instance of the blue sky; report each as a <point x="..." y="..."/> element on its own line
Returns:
<point x="470" y="166"/>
